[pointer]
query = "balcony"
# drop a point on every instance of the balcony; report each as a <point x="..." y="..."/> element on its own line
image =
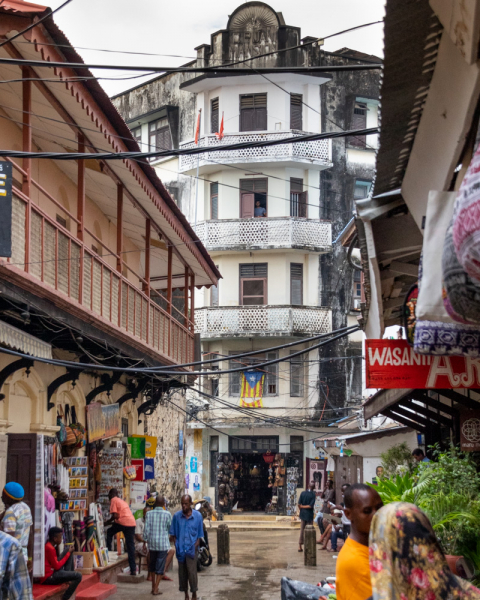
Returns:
<point x="265" y="321"/>
<point x="69" y="274"/>
<point x="266" y="233"/>
<point x="316" y="154"/>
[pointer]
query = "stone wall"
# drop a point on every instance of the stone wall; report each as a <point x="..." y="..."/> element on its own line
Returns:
<point x="165" y="424"/>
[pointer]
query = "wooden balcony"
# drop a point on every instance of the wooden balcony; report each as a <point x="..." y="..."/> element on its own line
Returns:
<point x="63" y="269"/>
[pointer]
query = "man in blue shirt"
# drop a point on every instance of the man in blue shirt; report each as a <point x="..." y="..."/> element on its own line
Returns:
<point x="419" y="455"/>
<point x="186" y="531"/>
<point x="259" y="211"/>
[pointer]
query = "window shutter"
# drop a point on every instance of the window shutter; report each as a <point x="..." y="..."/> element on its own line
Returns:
<point x="253" y="112"/>
<point x="296" y="108"/>
<point x="302" y="204"/>
<point x="247" y="185"/>
<point x="214" y="200"/>
<point x="214" y="122"/>
<point x="296" y="284"/>
<point x="247" y="206"/>
<point x="254" y="270"/>
<point x="359" y="121"/>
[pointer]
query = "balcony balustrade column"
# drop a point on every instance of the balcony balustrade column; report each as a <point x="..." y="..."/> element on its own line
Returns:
<point x="81" y="213"/>
<point x="27" y="162"/>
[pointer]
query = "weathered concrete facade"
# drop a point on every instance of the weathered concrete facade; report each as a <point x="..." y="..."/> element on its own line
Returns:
<point x="328" y="105"/>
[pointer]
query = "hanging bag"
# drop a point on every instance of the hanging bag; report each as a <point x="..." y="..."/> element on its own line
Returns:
<point x="72" y="437"/>
<point x="78" y="429"/>
<point x="62" y="433"/>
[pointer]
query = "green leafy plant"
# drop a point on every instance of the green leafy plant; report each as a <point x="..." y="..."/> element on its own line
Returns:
<point x="402" y="488"/>
<point x="455" y="518"/>
<point x="397" y="460"/>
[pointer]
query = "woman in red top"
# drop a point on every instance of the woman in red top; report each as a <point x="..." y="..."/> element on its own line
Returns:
<point x="59" y="570"/>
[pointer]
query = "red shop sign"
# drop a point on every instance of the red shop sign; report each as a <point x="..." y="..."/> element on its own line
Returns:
<point x="392" y="364"/>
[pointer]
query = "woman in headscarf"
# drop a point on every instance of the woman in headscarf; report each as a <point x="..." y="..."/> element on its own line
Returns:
<point x="406" y="561"/>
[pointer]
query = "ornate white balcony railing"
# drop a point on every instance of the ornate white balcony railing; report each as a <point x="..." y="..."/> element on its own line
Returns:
<point x="276" y="232"/>
<point x="244" y="321"/>
<point x="317" y="152"/>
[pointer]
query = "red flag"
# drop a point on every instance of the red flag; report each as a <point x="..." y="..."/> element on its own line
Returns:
<point x="197" y="128"/>
<point x="220" y="133"/>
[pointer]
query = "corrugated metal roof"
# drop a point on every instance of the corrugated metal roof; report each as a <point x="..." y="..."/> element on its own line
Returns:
<point x="412" y="35"/>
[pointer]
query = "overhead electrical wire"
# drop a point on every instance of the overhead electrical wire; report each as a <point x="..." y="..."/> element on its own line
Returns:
<point x="280" y="50"/>
<point x="186" y="152"/>
<point x="216" y="70"/>
<point x="195" y="418"/>
<point x="35" y="23"/>
<point x="170" y="371"/>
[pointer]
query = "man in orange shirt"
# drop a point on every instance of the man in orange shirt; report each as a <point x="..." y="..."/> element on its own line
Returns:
<point x="353" y="571"/>
<point x="123" y="522"/>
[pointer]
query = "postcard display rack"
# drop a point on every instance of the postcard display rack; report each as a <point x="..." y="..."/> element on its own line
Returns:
<point x="87" y="532"/>
<point x="78" y="475"/>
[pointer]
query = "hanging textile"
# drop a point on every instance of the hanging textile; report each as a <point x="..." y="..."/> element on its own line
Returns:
<point x="252" y="389"/>
<point x="435" y="331"/>
<point x="461" y="295"/>
<point x="466" y="221"/>
<point x="90" y="534"/>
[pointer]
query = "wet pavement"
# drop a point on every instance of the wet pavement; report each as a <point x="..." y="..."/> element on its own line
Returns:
<point x="259" y="559"/>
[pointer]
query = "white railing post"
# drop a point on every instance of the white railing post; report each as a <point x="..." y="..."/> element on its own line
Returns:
<point x="291" y="225"/>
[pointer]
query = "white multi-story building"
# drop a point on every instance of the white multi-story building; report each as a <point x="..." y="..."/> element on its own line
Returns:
<point x="269" y="217"/>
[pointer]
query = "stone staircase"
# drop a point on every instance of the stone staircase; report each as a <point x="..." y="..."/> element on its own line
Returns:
<point x="256" y="522"/>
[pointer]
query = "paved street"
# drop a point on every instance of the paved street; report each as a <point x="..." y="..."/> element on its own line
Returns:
<point x="258" y="562"/>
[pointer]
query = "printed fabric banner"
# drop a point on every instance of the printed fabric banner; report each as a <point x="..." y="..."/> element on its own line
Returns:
<point x="393" y="364"/>
<point x="252" y="389"/>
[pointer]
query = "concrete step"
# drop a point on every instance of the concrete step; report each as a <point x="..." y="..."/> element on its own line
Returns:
<point x="258" y="525"/>
<point x="99" y="591"/>
<point x="88" y="581"/>
<point x="249" y="517"/>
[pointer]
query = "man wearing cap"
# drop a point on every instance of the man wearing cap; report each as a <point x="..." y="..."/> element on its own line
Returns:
<point x="17" y="519"/>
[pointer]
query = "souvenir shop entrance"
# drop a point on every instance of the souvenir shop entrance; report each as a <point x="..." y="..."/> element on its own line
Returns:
<point x="255" y="477"/>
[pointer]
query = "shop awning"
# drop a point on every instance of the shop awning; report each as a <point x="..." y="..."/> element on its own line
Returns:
<point x="16" y="339"/>
<point x="422" y="409"/>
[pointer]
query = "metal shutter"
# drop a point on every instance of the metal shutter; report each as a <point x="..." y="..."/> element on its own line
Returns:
<point x="214" y="122"/>
<point x="296" y="108"/>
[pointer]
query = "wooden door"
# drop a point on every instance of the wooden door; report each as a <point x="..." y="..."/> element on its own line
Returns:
<point x="21" y="467"/>
<point x="247" y="206"/>
<point x="348" y="469"/>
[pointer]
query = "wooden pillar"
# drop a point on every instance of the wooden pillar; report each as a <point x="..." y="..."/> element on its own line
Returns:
<point x="192" y="301"/>
<point x="120" y="252"/>
<point x="81" y="213"/>
<point x="81" y="190"/>
<point x="148" y="229"/>
<point x="223" y="544"/>
<point x="185" y="299"/>
<point x="169" y="297"/>
<point x="169" y="280"/>
<point x="27" y="162"/>
<point x="119" y="227"/>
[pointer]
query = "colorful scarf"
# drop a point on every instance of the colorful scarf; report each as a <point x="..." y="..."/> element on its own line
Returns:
<point x="461" y="295"/>
<point x="406" y="561"/>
